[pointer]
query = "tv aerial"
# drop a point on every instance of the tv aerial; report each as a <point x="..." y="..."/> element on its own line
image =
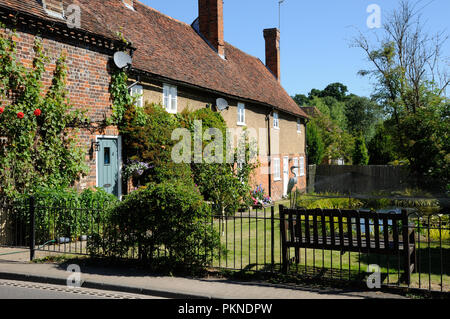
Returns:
<point x="221" y="104"/>
<point x="122" y="59"/>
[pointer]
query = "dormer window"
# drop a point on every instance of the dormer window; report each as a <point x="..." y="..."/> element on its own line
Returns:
<point x="170" y="98"/>
<point x="129" y="4"/>
<point x="276" y="121"/>
<point x="54" y="8"/>
<point x="137" y="92"/>
<point x="241" y="114"/>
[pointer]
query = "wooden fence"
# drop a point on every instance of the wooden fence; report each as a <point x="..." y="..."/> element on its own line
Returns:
<point x="348" y="179"/>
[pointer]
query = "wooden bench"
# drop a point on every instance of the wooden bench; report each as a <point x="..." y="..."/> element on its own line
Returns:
<point x="348" y="231"/>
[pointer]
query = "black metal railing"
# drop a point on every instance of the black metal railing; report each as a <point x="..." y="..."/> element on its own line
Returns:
<point x="252" y="241"/>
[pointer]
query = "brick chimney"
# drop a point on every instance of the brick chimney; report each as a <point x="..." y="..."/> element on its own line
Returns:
<point x="54" y="7"/>
<point x="272" y="37"/>
<point x="210" y="13"/>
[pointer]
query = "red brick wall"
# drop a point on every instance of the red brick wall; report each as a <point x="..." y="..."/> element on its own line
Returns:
<point x="261" y="177"/>
<point x="88" y="82"/>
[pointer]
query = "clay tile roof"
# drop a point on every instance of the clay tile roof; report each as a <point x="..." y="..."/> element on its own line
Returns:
<point x="172" y="49"/>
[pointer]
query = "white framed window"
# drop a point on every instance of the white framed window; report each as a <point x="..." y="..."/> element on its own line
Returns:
<point x="296" y="164"/>
<point x="170" y="98"/>
<point x="276" y="169"/>
<point x="276" y="121"/>
<point x="302" y="166"/>
<point x="137" y="92"/>
<point x="241" y="114"/>
<point x="299" y="126"/>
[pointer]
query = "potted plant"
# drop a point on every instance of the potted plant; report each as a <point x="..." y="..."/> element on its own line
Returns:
<point x="260" y="199"/>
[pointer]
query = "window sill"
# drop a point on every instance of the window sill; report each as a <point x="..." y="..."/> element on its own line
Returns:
<point x="241" y="124"/>
<point x="276" y="128"/>
<point x="277" y="179"/>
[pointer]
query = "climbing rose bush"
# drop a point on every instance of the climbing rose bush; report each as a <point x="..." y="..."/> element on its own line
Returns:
<point x="37" y="125"/>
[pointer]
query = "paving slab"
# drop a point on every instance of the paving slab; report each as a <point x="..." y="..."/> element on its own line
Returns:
<point x="170" y="287"/>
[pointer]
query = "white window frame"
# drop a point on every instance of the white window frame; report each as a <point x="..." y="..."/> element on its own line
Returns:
<point x="302" y="166"/>
<point x="299" y="126"/>
<point x="296" y="163"/>
<point x="138" y="90"/>
<point x="170" y="98"/>
<point x="276" y="169"/>
<point x="241" y="114"/>
<point x="276" y="120"/>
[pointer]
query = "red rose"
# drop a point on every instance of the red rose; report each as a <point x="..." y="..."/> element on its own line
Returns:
<point x="37" y="112"/>
<point x="2" y="109"/>
<point x="20" y="115"/>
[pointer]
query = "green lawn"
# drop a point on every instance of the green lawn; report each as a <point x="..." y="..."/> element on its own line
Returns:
<point x="248" y="244"/>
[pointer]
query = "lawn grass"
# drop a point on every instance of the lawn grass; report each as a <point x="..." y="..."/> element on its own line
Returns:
<point x="248" y="241"/>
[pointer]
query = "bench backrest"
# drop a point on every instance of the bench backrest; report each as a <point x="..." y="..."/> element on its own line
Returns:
<point x="344" y="230"/>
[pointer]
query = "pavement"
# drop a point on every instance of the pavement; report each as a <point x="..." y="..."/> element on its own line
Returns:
<point x="16" y="267"/>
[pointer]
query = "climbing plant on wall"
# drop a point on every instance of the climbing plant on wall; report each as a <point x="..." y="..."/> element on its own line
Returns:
<point x="38" y="125"/>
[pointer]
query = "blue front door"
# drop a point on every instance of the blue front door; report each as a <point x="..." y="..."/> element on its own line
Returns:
<point x="108" y="165"/>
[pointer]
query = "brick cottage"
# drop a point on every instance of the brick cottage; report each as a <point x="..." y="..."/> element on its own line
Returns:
<point x="173" y="63"/>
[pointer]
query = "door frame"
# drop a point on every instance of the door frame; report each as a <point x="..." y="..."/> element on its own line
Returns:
<point x="119" y="151"/>
<point x="285" y="180"/>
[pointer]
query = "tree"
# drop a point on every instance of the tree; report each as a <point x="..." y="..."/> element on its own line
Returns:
<point x="301" y="99"/>
<point x="338" y="143"/>
<point x="331" y="108"/>
<point x="362" y="116"/>
<point x="335" y="90"/>
<point x="411" y="79"/>
<point x="428" y="132"/>
<point x="381" y="147"/>
<point x="360" y="154"/>
<point x="225" y="184"/>
<point x="315" y="145"/>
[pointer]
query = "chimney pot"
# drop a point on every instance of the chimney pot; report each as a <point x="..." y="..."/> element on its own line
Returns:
<point x="211" y="23"/>
<point x="272" y="37"/>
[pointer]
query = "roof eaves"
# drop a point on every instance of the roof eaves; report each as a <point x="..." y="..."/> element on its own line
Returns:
<point x="194" y="86"/>
<point x="52" y="24"/>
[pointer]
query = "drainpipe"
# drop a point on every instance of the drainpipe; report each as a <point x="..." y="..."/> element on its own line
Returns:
<point x="306" y="155"/>
<point x="269" y="153"/>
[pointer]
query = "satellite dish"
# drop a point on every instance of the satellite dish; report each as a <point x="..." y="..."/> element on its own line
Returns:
<point x="122" y="59"/>
<point x="221" y="104"/>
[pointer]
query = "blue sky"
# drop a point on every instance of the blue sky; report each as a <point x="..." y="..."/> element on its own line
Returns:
<point x="315" y="35"/>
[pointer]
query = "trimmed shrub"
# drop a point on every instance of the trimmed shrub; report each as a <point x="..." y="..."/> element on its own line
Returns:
<point x="170" y="218"/>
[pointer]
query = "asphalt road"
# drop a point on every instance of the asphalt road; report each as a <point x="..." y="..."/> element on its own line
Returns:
<point x="26" y="290"/>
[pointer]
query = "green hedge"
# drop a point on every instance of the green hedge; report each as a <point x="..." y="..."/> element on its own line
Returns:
<point x="66" y="212"/>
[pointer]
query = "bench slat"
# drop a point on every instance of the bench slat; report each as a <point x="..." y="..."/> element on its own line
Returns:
<point x="349" y="229"/>
<point x="395" y="230"/>
<point x="377" y="232"/>
<point x="315" y="229"/>
<point x="324" y="230"/>
<point x="332" y="229"/>
<point x="358" y="231"/>
<point x="386" y="234"/>
<point x="367" y="231"/>
<point x="307" y="230"/>
<point x="341" y="229"/>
